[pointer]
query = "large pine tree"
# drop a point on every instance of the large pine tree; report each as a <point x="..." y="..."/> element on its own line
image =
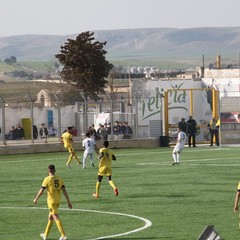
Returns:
<point x="84" y="64"/>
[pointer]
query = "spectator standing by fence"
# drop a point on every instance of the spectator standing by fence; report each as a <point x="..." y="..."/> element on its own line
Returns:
<point x="116" y="128"/>
<point x="183" y="125"/>
<point x="214" y="130"/>
<point x="127" y="131"/>
<point x="52" y="131"/>
<point x="191" y="131"/>
<point x="43" y="132"/>
<point x="19" y="132"/>
<point x="108" y="128"/>
<point x="103" y="133"/>
<point x="35" y="132"/>
<point x="11" y="134"/>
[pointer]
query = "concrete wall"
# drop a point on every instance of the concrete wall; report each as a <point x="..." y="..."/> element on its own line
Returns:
<point x="230" y="137"/>
<point x="25" y="148"/>
<point x="15" y="115"/>
<point x="221" y="73"/>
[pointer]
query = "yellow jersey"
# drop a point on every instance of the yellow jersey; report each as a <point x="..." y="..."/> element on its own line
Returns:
<point x="54" y="185"/>
<point x="67" y="139"/>
<point x="238" y="188"/>
<point x="105" y="162"/>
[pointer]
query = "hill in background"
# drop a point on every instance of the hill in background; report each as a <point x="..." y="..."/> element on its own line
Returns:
<point x="167" y="45"/>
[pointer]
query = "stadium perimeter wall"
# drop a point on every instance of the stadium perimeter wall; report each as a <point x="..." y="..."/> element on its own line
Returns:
<point x="25" y="147"/>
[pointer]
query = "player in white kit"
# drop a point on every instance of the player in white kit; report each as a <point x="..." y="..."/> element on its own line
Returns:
<point x="89" y="145"/>
<point x="179" y="146"/>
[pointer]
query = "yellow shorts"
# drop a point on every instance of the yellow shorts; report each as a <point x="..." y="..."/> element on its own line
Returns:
<point x="53" y="208"/>
<point x="105" y="171"/>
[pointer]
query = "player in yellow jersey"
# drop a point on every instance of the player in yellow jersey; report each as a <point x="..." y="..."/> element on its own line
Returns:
<point x="237" y="200"/>
<point x="67" y="140"/>
<point x="54" y="186"/>
<point x="105" y="168"/>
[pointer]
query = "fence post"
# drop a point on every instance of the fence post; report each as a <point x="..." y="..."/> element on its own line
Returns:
<point x="59" y="115"/>
<point x="110" y="95"/>
<point x="85" y="112"/>
<point x="59" y="119"/>
<point x="122" y="105"/>
<point x="31" y="114"/>
<point x="137" y="93"/>
<point x="3" y="120"/>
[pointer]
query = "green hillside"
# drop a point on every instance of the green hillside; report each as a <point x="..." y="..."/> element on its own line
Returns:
<point x="164" y="44"/>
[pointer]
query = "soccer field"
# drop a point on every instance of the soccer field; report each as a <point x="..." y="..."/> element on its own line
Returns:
<point x="156" y="200"/>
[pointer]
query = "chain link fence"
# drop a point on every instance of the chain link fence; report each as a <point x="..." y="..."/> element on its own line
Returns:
<point x="57" y="117"/>
<point x="28" y="115"/>
<point x="141" y="106"/>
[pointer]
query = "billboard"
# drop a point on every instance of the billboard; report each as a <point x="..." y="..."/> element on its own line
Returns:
<point x="150" y="104"/>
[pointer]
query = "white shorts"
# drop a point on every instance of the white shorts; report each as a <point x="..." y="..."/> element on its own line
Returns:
<point x="177" y="149"/>
<point x="86" y="154"/>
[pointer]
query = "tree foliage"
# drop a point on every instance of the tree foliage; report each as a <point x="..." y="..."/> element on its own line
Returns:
<point x="10" y="60"/>
<point x="84" y="64"/>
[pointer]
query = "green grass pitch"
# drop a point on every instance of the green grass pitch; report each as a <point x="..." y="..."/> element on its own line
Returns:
<point x="156" y="200"/>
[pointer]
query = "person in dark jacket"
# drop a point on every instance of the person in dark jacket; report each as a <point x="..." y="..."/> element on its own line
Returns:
<point x="35" y="132"/>
<point x="183" y="125"/>
<point x="19" y="132"/>
<point x="43" y="132"/>
<point x="191" y="131"/>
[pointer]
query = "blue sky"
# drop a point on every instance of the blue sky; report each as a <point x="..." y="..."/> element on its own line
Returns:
<point x="62" y="17"/>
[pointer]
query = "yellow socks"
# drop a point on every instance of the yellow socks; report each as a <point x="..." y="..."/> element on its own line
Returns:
<point x="60" y="227"/>
<point x="77" y="159"/>
<point x="112" y="184"/>
<point x="69" y="159"/>
<point x="48" y="228"/>
<point x="97" y="188"/>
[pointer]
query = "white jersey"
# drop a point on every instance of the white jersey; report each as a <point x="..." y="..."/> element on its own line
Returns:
<point x="89" y="145"/>
<point x="181" y="139"/>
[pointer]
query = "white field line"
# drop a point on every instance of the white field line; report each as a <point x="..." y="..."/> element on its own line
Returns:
<point x="198" y="162"/>
<point x="119" y="155"/>
<point x="147" y="223"/>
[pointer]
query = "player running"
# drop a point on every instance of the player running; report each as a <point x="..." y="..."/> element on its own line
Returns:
<point x="105" y="168"/>
<point x="89" y="145"/>
<point x="67" y="140"/>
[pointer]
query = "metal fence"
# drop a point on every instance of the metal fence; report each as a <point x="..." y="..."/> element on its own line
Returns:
<point x="58" y="117"/>
<point x="143" y="111"/>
